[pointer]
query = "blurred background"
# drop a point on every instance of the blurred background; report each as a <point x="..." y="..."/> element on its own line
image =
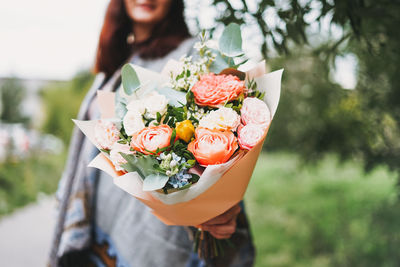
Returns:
<point x="325" y="190"/>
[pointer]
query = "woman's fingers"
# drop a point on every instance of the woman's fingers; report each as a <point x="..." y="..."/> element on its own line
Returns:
<point x="225" y="217"/>
<point x="222" y="229"/>
<point x="217" y="236"/>
<point x="224" y="225"/>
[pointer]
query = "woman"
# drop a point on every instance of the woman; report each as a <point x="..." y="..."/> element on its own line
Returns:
<point x="99" y="224"/>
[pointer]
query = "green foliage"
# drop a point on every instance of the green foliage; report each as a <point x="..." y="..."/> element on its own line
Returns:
<point x="315" y="115"/>
<point x="364" y="123"/>
<point x="175" y="98"/>
<point x="378" y="84"/>
<point x="155" y="181"/>
<point x="174" y="115"/>
<point x="230" y="42"/>
<point x="142" y="165"/>
<point x="20" y="182"/>
<point x="120" y="105"/>
<point x="12" y="94"/>
<point x="291" y="19"/>
<point x="322" y="215"/>
<point x="130" y="80"/>
<point x="62" y="102"/>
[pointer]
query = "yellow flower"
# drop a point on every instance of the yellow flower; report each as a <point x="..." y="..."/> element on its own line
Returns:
<point x="185" y="130"/>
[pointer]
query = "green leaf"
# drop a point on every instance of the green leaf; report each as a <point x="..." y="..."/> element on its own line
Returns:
<point x="229" y="105"/>
<point x="142" y="165"/>
<point x="230" y="42"/>
<point x="184" y="187"/>
<point x="190" y="163"/>
<point x="194" y="178"/>
<point x="173" y="135"/>
<point x="130" y="80"/>
<point x="175" y="98"/>
<point x="105" y="151"/>
<point x="240" y="63"/>
<point x="154" y="181"/>
<point x="220" y="62"/>
<point x="151" y="152"/>
<point x="120" y="106"/>
<point x="158" y="117"/>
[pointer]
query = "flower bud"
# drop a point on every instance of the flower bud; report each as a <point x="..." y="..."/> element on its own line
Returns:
<point x="185" y="130"/>
<point x="173" y="163"/>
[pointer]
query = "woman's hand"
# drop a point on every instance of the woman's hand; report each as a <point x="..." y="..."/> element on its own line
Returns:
<point x="224" y="225"/>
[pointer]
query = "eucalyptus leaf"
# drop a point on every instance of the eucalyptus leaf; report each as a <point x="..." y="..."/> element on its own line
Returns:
<point x="154" y="181"/>
<point x="130" y="80"/>
<point x="220" y="62"/>
<point x="175" y="98"/>
<point x="240" y="63"/>
<point x="142" y="165"/>
<point x="146" y="88"/>
<point x="230" y="42"/>
<point x="120" y="106"/>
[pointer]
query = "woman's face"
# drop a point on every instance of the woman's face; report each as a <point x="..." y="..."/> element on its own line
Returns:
<point x="147" y="11"/>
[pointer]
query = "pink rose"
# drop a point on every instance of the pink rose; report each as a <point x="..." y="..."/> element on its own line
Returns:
<point x="249" y="135"/>
<point x="151" y="138"/>
<point x="212" y="146"/>
<point x="214" y="90"/>
<point x="106" y="134"/>
<point x="255" y="111"/>
<point x="116" y="157"/>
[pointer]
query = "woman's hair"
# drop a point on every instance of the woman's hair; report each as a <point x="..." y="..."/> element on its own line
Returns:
<point x="113" y="49"/>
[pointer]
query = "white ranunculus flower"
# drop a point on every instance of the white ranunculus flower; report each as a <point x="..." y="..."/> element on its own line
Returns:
<point x="153" y="103"/>
<point x="221" y="119"/>
<point x="136" y="104"/>
<point x="133" y="122"/>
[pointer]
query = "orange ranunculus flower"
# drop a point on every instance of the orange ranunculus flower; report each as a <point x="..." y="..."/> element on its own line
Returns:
<point x="212" y="146"/>
<point x="151" y="138"/>
<point x="214" y="90"/>
<point x="184" y="130"/>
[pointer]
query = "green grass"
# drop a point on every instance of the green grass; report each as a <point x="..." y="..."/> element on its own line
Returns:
<point x="324" y="215"/>
<point x="321" y="215"/>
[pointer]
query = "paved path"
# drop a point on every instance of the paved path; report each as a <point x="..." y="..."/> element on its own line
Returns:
<point x="25" y="235"/>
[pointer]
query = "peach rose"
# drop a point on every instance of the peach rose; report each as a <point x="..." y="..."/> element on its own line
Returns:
<point x="116" y="157"/>
<point x="106" y="134"/>
<point x="255" y="111"/>
<point x="249" y="135"/>
<point x="212" y="147"/>
<point x="214" y="90"/>
<point x="151" y="138"/>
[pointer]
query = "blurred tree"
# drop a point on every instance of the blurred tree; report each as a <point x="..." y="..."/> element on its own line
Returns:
<point x="12" y="93"/>
<point x="316" y="116"/>
<point x="282" y="23"/>
<point x="62" y="103"/>
<point x="378" y="85"/>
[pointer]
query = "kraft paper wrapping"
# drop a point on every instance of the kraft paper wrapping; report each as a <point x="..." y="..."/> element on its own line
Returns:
<point x="219" y="187"/>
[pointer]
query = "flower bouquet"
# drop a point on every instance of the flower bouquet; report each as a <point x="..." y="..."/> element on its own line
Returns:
<point x="185" y="141"/>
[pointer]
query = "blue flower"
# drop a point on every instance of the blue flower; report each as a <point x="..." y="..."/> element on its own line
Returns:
<point x="180" y="179"/>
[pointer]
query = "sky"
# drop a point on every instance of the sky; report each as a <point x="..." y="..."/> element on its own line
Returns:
<point x="54" y="39"/>
<point x="48" y="39"/>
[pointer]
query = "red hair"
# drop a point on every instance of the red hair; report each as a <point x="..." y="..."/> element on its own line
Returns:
<point x="113" y="50"/>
